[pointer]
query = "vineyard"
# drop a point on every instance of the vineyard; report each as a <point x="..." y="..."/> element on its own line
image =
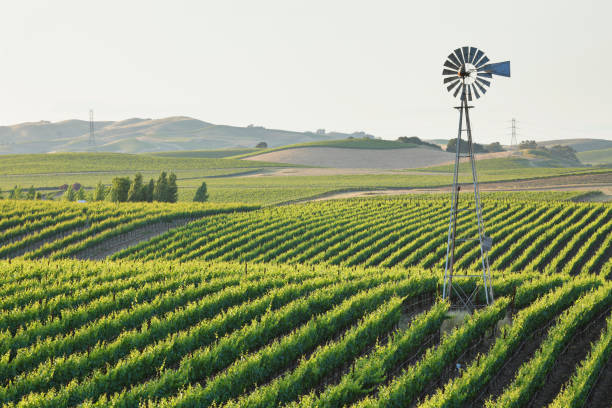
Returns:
<point x="321" y="304"/>
<point x="36" y="229"/>
<point x="200" y="333"/>
<point x="528" y="235"/>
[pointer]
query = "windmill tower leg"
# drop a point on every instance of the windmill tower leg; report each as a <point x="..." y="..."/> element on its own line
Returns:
<point x="453" y="290"/>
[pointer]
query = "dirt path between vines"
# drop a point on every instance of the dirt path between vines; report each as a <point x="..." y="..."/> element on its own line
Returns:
<point x="566" y="364"/>
<point x="115" y="244"/>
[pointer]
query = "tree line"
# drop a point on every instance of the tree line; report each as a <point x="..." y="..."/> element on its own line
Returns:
<point x="123" y="189"/>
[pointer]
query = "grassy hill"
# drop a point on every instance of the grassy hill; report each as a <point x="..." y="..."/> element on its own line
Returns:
<point x="580" y="145"/>
<point x="136" y="135"/>
<point x="601" y="156"/>
<point x="349" y="143"/>
<point x="112" y="162"/>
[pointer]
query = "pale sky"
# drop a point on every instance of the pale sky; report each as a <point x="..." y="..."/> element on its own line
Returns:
<point x="372" y="66"/>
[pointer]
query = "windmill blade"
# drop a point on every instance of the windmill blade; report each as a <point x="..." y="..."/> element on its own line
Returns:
<point x="469" y="93"/>
<point x="472" y="53"/>
<point x="466" y="53"/>
<point x="485" y="75"/>
<point x="454" y="60"/>
<point x="475" y="91"/>
<point x="483" y="61"/>
<point x="450" y="79"/>
<point x="457" y="91"/>
<point x="451" y="86"/>
<point x="482" y="88"/>
<point x="482" y="81"/>
<point x="479" y="55"/>
<point x="498" y="68"/>
<point x="459" y="55"/>
<point x="449" y="72"/>
<point x="449" y="64"/>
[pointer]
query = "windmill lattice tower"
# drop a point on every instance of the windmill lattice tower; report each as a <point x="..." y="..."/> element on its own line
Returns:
<point x="467" y="73"/>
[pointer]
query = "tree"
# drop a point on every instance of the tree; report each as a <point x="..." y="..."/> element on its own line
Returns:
<point x="80" y="194"/>
<point x="99" y="193"/>
<point x="38" y="196"/>
<point x="119" y="189"/>
<point x="201" y="194"/>
<point x="147" y="191"/>
<point x="31" y="193"/>
<point x="528" y="144"/>
<point x="136" y="189"/>
<point x="172" y="189"/>
<point x="411" y="139"/>
<point x="494" y="147"/>
<point x="160" y="193"/>
<point x="452" y="147"/>
<point x="564" y="152"/>
<point x="16" y="193"/>
<point x="261" y="145"/>
<point x="70" y="194"/>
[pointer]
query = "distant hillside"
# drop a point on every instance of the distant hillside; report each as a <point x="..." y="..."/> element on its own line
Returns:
<point x="355" y="153"/>
<point x="601" y="156"/>
<point x="580" y="145"/>
<point x="146" y="135"/>
<point x="348" y="143"/>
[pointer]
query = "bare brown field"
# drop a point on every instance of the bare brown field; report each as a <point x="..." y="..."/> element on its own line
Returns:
<point x="343" y="158"/>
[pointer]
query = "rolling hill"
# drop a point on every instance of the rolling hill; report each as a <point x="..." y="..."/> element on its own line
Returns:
<point x="600" y="156"/>
<point x="355" y="153"/>
<point x="580" y="144"/>
<point x="179" y="133"/>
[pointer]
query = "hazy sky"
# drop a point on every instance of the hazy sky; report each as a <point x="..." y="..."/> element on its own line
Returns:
<point x="373" y="66"/>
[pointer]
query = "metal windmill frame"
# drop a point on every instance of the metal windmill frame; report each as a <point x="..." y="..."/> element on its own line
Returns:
<point x="468" y="64"/>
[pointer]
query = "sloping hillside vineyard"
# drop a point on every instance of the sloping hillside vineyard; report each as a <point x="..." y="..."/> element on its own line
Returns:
<point x="528" y="235"/>
<point x="322" y="304"/>
<point x="202" y="334"/>
<point x="34" y="229"/>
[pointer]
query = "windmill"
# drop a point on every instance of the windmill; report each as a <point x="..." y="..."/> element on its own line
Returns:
<point x="467" y="74"/>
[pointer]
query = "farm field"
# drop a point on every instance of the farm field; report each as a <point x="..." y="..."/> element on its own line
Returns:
<point x="34" y="229"/>
<point x="269" y="335"/>
<point x="546" y="236"/>
<point x="232" y="180"/>
<point x="316" y="304"/>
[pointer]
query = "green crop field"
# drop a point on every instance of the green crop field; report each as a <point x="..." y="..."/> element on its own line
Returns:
<point x="105" y="162"/>
<point x="320" y="304"/>
<point x="547" y="236"/>
<point x="204" y="334"/>
<point x="231" y="180"/>
<point x="212" y="154"/>
<point x="34" y="229"/>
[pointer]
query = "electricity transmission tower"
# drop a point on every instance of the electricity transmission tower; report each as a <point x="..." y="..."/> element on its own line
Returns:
<point x="92" y="141"/>
<point x="513" y="141"/>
